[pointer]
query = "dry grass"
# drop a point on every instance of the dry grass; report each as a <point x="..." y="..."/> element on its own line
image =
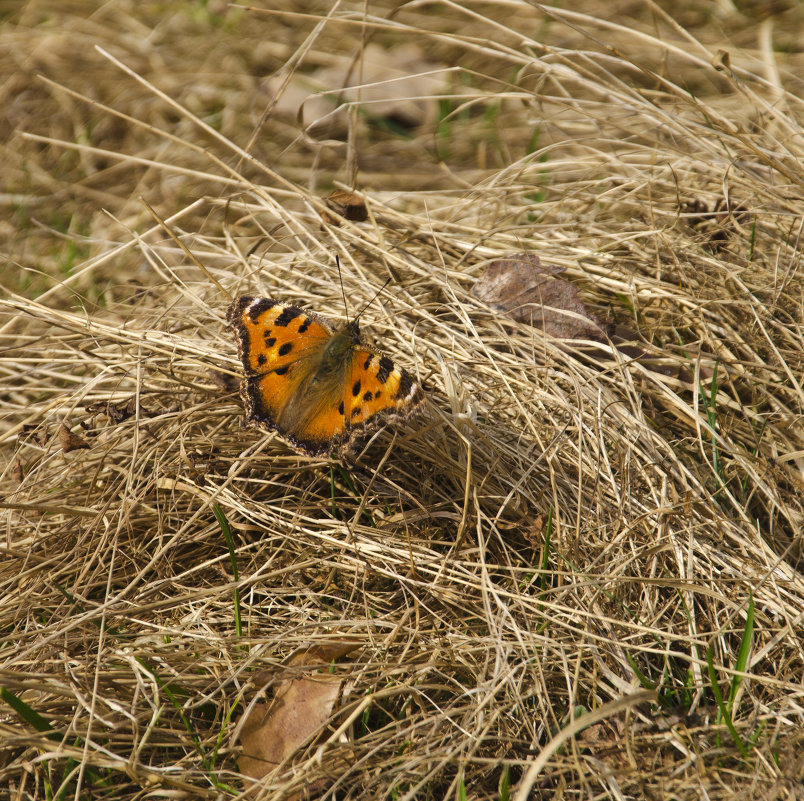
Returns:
<point x="557" y="538"/>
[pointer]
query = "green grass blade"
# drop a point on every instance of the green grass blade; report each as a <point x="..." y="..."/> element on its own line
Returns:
<point x="504" y="793"/>
<point x="30" y="716"/>
<point x="724" y="712"/>
<point x="742" y="654"/>
<point x="227" y="535"/>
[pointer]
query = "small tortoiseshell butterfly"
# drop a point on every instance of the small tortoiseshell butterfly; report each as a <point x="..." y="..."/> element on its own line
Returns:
<point x="318" y="385"/>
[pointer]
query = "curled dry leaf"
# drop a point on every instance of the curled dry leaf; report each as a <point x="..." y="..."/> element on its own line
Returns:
<point x="345" y="204"/>
<point x="274" y="731"/>
<point x="34" y="432"/>
<point x="530" y="292"/>
<point x="69" y="441"/>
<point x="534" y="533"/>
<point x="119" y="412"/>
<point x="324" y="652"/>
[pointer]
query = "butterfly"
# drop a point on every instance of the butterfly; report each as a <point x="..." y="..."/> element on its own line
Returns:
<point x="318" y="385"/>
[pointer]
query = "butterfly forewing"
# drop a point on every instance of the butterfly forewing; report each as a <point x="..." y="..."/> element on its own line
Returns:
<point x="271" y="335"/>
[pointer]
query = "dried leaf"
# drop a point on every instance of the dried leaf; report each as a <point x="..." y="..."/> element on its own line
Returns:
<point x="345" y="204"/>
<point x="529" y="292"/>
<point x="34" y="432"/>
<point x="70" y="441"/>
<point x="534" y="534"/>
<point x="119" y="412"/>
<point x="324" y="652"/>
<point x="273" y="731"/>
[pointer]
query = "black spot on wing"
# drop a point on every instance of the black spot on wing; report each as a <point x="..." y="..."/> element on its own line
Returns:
<point x="356" y="388"/>
<point x="260" y="306"/>
<point x="340" y="408"/>
<point x="356" y="411"/>
<point x="384" y="370"/>
<point x="305" y="325"/>
<point x="282" y="370"/>
<point x="368" y="396"/>
<point x="269" y="341"/>
<point x="287" y="316"/>
<point x="261" y="359"/>
<point x="285" y="349"/>
<point x="405" y="385"/>
<point x="368" y="361"/>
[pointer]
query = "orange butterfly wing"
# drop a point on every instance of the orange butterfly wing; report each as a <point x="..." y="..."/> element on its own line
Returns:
<point x="315" y="386"/>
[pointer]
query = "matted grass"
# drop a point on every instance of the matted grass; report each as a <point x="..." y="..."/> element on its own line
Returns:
<point x="576" y="574"/>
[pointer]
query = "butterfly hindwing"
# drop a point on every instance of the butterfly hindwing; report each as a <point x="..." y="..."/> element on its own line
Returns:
<point x="375" y="386"/>
<point x="315" y="385"/>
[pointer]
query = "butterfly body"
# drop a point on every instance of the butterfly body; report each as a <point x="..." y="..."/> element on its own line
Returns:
<point x="317" y="385"/>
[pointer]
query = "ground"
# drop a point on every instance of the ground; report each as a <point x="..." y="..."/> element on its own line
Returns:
<point x="575" y="571"/>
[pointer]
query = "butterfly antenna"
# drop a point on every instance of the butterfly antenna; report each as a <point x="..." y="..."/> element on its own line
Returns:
<point x="376" y="294"/>
<point x="340" y="278"/>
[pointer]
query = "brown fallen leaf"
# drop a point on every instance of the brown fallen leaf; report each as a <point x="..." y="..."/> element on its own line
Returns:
<point x="272" y="732"/>
<point x="324" y="652"/>
<point x="34" y="432"/>
<point x="276" y="730"/>
<point x="534" y="533"/>
<point x="69" y="441"/>
<point x="118" y="412"/>
<point x="530" y="292"/>
<point x="345" y="204"/>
